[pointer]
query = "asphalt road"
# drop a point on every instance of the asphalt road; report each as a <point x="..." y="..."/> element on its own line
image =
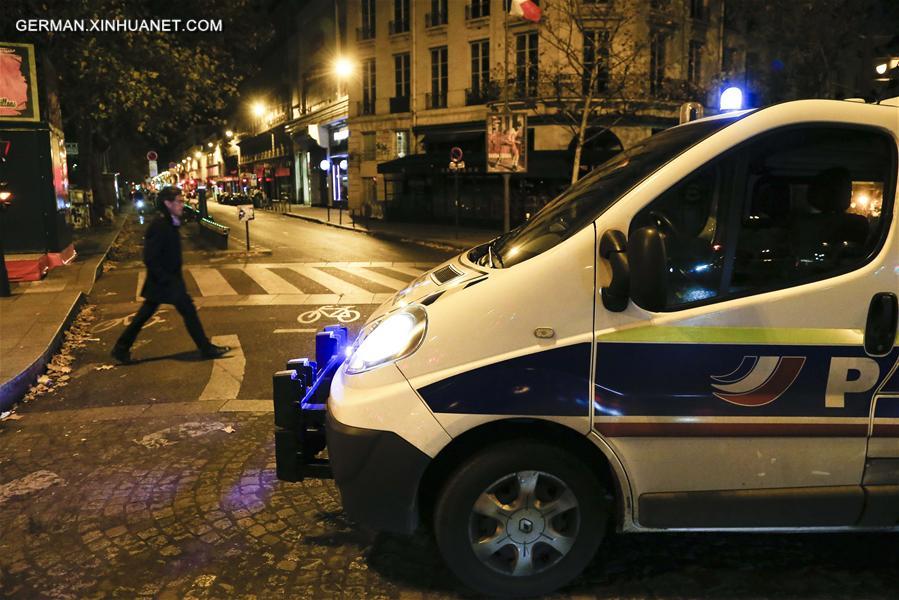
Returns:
<point x="296" y="239"/>
<point x="156" y="480"/>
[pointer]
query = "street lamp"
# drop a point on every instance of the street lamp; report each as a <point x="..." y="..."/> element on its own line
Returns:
<point x="343" y="67"/>
<point x="229" y="134"/>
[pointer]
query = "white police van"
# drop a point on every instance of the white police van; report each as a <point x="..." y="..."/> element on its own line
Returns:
<point x="698" y="335"/>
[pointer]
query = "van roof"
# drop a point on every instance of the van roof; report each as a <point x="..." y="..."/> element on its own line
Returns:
<point x="851" y="105"/>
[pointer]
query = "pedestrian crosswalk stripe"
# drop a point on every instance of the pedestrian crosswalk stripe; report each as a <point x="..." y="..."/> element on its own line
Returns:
<point x="384" y="280"/>
<point x="270" y="281"/>
<point x="338" y="279"/>
<point x="408" y="270"/>
<point x="211" y="282"/>
<point x="335" y="284"/>
<point x="141" y="277"/>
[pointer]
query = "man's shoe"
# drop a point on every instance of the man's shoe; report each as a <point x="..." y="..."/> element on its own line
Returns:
<point x="122" y="355"/>
<point x="213" y="351"/>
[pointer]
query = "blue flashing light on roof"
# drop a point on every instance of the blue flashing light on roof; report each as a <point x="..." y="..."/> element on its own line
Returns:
<point x="731" y="99"/>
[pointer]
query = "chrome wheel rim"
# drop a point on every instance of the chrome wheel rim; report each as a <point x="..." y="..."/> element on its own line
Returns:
<point x="524" y="523"/>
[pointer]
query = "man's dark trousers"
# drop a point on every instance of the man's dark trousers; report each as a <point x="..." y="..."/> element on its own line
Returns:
<point x="188" y="311"/>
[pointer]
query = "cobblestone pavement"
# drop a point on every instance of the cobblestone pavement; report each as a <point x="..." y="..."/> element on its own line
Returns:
<point x="186" y="505"/>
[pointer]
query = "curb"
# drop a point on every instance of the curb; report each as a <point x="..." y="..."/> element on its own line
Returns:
<point x="98" y="272"/>
<point x="384" y="235"/>
<point x="13" y="390"/>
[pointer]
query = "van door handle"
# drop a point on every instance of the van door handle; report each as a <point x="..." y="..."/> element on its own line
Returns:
<point x="880" y="329"/>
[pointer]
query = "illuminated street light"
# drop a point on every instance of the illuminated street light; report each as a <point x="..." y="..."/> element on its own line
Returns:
<point x="198" y="155"/>
<point x="881" y="68"/>
<point x="209" y="144"/>
<point x="229" y="134"/>
<point x="258" y="109"/>
<point x="343" y="67"/>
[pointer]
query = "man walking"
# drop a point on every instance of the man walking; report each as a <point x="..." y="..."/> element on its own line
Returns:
<point x="165" y="283"/>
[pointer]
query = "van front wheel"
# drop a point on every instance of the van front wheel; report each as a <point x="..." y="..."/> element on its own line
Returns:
<point x="520" y="518"/>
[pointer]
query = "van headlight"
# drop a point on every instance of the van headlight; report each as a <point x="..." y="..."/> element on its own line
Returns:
<point x="396" y="336"/>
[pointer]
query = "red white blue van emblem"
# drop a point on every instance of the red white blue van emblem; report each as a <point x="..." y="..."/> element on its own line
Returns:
<point x="758" y="380"/>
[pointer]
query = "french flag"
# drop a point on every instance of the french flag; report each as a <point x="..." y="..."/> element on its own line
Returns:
<point x="526" y="9"/>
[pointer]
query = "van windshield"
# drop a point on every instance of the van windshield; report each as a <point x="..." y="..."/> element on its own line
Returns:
<point x="583" y="202"/>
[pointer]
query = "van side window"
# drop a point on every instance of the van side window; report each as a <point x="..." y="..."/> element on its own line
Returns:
<point x="813" y="208"/>
<point x="690" y="217"/>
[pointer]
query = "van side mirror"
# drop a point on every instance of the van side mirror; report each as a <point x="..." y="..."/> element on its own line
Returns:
<point x="648" y="260"/>
<point x="613" y="248"/>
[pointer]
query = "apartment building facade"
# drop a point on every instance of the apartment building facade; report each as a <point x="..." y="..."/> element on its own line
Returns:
<point x="430" y="71"/>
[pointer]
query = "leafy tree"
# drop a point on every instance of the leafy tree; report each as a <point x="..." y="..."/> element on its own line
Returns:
<point x="143" y="88"/>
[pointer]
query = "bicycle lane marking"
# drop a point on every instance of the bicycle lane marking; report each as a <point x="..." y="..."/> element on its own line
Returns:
<point x="295" y="331"/>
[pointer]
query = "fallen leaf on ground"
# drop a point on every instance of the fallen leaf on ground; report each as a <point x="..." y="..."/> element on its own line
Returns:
<point x="104" y="367"/>
<point x="228" y="429"/>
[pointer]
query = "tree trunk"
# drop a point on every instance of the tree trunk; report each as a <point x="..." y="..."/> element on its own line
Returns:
<point x="581" y="135"/>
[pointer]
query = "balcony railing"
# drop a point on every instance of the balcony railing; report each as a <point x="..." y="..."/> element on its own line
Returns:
<point x="437" y="100"/>
<point x="365" y="33"/>
<point x="399" y="104"/>
<point x="487" y="92"/>
<point x="435" y="19"/>
<point x="477" y="10"/>
<point x="365" y="107"/>
<point x="399" y="26"/>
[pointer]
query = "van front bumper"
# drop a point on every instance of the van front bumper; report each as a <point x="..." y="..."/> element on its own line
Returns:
<point x="378" y="474"/>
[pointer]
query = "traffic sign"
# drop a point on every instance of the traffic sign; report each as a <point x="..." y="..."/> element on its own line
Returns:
<point x="151" y="155"/>
<point x="456" y="154"/>
<point x="245" y="213"/>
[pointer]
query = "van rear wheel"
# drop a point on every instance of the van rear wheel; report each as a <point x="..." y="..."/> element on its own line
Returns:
<point x="520" y="518"/>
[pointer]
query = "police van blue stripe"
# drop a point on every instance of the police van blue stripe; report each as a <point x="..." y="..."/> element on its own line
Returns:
<point x="549" y="383"/>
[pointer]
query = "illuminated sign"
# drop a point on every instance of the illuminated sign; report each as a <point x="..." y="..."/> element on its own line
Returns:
<point x="18" y="83"/>
<point x="341" y="134"/>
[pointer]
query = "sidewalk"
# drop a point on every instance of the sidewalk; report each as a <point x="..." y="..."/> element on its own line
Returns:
<point x="440" y="236"/>
<point x="34" y="319"/>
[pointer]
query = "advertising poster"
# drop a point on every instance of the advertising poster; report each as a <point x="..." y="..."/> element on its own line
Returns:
<point x="18" y="83"/>
<point x="507" y="143"/>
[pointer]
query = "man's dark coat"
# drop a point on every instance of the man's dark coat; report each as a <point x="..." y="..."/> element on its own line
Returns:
<point x="162" y="255"/>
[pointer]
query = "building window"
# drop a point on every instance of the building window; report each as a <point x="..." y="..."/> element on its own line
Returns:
<point x="694" y="62"/>
<point x="656" y="62"/>
<point x="402" y="143"/>
<point x="400" y="23"/>
<point x="697" y="10"/>
<point x="400" y="102"/>
<point x="480" y="72"/>
<point x="596" y="56"/>
<point x="526" y="64"/>
<point x="367" y="31"/>
<point x="437" y="16"/>
<point x="439" y="78"/>
<point x="368" y="145"/>
<point x="477" y="9"/>
<point x="368" y="87"/>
